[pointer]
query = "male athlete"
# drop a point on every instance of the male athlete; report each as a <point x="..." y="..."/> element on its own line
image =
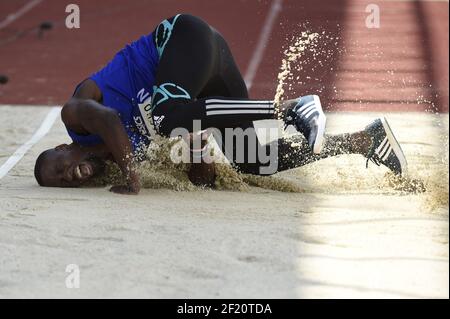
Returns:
<point x="181" y="72"/>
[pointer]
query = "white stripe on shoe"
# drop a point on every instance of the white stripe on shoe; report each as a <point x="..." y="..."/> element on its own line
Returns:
<point x="306" y="110"/>
<point x="311" y="112"/>
<point x="384" y="149"/>
<point x="307" y="105"/>
<point x="386" y="155"/>
<point x="381" y="146"/>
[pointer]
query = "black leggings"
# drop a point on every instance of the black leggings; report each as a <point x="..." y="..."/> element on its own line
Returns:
<point x="198" y="79"/>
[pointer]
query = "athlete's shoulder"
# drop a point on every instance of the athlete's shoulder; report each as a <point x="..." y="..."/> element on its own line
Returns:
<point x="88" y="89"/>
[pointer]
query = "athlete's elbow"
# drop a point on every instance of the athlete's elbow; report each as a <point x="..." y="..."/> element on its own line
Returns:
<point x="68" y="111"/>
<point x="110" y="115"/>
<point x="102" y="121"/>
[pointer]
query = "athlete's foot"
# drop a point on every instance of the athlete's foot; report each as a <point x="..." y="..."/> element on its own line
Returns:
<point x="385" y="149"/>
<point x="308" y="117"/>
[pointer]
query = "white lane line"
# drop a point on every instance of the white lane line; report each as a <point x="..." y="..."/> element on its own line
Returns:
<point x="258" y="54"/>
<point x="22" y="150"/>
<point x="16" y="15"/>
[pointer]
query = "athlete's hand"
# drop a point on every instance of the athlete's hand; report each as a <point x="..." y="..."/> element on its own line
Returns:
<point x="131" y="188"/>
<point x="202" y="174"/>
<point x="202" y="171"/>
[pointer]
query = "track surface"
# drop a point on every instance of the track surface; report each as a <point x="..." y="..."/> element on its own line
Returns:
<point x="345" y="237"/>
<point x="401" y="66"/>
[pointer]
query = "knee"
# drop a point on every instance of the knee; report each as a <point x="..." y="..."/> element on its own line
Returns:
<point x="186" y="20"/>
<point x="194" y="25"/>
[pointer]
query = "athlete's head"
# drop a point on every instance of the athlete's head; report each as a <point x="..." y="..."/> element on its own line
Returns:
<point x="66" y="166"/>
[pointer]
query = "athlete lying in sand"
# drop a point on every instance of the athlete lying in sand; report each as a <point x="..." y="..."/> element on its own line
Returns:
<point x="181" y="72"/>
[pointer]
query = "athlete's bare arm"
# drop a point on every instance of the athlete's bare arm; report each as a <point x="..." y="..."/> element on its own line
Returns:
<point x="83" y="114"/>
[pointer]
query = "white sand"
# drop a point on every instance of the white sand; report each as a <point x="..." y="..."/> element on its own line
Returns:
<point x="346" y="236"/>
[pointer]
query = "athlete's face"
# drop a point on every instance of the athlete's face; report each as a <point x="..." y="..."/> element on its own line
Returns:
<point x="68" y="166"/>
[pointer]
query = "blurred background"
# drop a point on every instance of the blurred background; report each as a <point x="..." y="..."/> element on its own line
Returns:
<point x="401" y="65"/>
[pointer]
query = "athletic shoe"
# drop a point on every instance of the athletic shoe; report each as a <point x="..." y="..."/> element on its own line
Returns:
<point x="308" y="117"/>
<point x="385" y="149"/>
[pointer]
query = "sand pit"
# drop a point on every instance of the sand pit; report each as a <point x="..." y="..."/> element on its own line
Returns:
<point x="349" y="233"/>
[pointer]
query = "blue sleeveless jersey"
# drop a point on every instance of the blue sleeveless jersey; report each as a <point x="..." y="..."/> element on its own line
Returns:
<point x="126" y="83"/>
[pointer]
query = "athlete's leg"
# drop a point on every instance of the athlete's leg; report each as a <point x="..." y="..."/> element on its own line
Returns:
<point x="227" y="81"/>
<point x="195" y="62"/>
<point x="190" y="62"/>
<point x="294" y="151"/>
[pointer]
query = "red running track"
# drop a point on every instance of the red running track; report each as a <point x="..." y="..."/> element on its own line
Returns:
<point x="401" y="66"/>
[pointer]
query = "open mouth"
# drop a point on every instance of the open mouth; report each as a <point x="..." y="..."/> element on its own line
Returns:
<point x="83" y="171"/>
